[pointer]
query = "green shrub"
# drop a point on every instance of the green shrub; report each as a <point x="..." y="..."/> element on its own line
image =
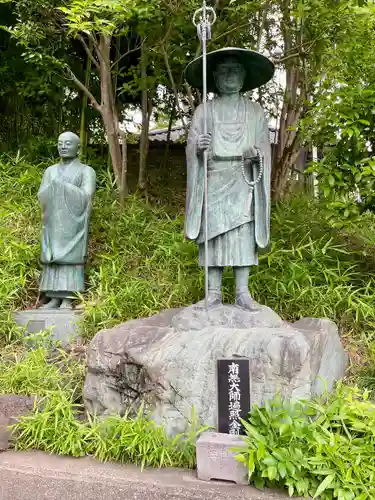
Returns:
<point x="57" y="426"/>
<point x="140" y="263"/>
<point x="365" y="373"/>
<point x="19" y="240"/>
<point x="38" y="372"/>
<point x="54" y="426"/>
<point x="140" y="441"/>
<point x="322" y="448"/>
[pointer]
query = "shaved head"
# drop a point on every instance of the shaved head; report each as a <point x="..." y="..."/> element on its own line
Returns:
<point x="68" y="145"/>
<point x="69" y="136"/>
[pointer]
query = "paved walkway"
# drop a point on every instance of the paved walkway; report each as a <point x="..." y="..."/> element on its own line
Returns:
<point x="37" y="476"/>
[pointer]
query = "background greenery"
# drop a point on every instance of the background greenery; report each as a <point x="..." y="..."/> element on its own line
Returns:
<point x="139" y="264"/>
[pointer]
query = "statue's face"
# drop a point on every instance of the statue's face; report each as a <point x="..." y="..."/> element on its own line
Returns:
<point x="229" y="76"/>
<point x="68" y="145"/>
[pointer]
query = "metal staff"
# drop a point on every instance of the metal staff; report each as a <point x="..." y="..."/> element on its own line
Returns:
<point x="206" y="20"/>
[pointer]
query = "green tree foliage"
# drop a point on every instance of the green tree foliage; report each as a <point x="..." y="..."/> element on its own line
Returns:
<point x="341" y="118"/>
<point x="158" y="33"/>
<point x="118" y="53"/>
<point x="33" y="105"/>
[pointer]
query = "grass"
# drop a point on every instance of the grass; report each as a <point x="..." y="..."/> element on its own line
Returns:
<point x="139" y="262"/>
<point x="57" y="426"/>
<point x="35" y="372"/>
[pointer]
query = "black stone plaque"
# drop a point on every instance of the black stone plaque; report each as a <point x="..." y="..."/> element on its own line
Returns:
<point x="233" y="387"/>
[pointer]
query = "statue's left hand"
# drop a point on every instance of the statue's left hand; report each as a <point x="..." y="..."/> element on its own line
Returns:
<point x="251" y="152"/>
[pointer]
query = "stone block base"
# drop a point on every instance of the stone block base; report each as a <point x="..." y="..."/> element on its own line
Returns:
<point x="12" y="407"/>
<point x="63" y="323"/>
<point x="215" y="460"/>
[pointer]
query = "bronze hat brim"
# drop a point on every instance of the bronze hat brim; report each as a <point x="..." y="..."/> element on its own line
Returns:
<point x="259" y="69"/>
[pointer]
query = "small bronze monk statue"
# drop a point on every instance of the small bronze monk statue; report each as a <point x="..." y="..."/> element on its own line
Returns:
<point x="65" y="196"/>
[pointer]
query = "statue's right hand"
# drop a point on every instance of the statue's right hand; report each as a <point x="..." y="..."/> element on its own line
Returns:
<point x="204" y="142"/>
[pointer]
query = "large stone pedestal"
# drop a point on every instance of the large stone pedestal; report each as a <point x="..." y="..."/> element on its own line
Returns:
<point x="169" y="361"/>
<point x="64" y="323"/>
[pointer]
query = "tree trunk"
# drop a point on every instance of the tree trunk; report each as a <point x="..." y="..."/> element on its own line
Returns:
<point x="84" y="121"/>
<point x="123" y="191"/>
<point x="174" y="88"/>
<point x="146" y="104"/>
<point x="288" y="145"/>
<point x="108" y="108"/>
<point x="171" y="116"/>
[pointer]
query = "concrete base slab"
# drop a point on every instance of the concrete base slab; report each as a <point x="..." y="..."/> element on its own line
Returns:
<point x="37" y="476"/>
<point x="64" y="323"/>
<point x="216" y="460"/>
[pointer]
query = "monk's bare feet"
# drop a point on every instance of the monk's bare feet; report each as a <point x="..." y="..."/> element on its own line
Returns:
<point x="245" y="301"/>
<point x="52" y="304"/>
<point x="66" y="304"/>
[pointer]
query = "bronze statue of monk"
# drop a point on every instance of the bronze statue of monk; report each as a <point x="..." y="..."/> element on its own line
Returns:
<point x="239" y="169"/>
<point x="65" y="196"/>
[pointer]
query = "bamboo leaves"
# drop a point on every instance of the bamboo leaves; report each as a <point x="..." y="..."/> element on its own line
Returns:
<point x="326" y="451"/>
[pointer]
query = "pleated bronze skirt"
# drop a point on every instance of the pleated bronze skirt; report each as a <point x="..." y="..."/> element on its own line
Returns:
<point x="235" y="248"/>
<point x="58" y="280"/>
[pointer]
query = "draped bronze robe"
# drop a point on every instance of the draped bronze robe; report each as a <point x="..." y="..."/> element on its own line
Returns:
<point x="235" y="230"/>
<point x="65" y="195"/>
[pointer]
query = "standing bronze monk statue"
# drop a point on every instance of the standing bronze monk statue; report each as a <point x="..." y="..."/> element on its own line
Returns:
<point x="239" y="169"/>
<point x="65" y="196"/>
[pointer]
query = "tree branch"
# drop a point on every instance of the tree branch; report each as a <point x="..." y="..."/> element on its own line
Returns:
<point x="81" y="86"/>
<point x="171" y="79"/>
<point x="96" y="45"/>
<point x="280" y="60"/>
<point x="262" y="24"/>
<point x="190" y="96"/>
<point x="235" y="28"/>
<point x="127" y="53"/>
<point x="88" y="51"/>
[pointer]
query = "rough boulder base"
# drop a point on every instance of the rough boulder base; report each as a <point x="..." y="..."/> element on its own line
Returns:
<point x="169" y="361"/>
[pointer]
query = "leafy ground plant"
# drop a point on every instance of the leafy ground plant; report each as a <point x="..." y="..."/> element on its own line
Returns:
<point x="57" y="425"/>
<point x="60" y="425"/>
<point x="38" y="372"/>
<point x="322" y="448"/>
<point x="139" y="262"/>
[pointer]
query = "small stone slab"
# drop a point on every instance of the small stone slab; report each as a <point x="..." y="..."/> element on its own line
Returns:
<point x="64" y="322"/>
<point x="12" y="407"/>
<point x="4" y="433"/>
<point x="215" y="460"/>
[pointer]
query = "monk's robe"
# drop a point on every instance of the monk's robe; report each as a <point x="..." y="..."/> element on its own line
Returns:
<point x="238" y="225"/>
<point x="66" y="196"/>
